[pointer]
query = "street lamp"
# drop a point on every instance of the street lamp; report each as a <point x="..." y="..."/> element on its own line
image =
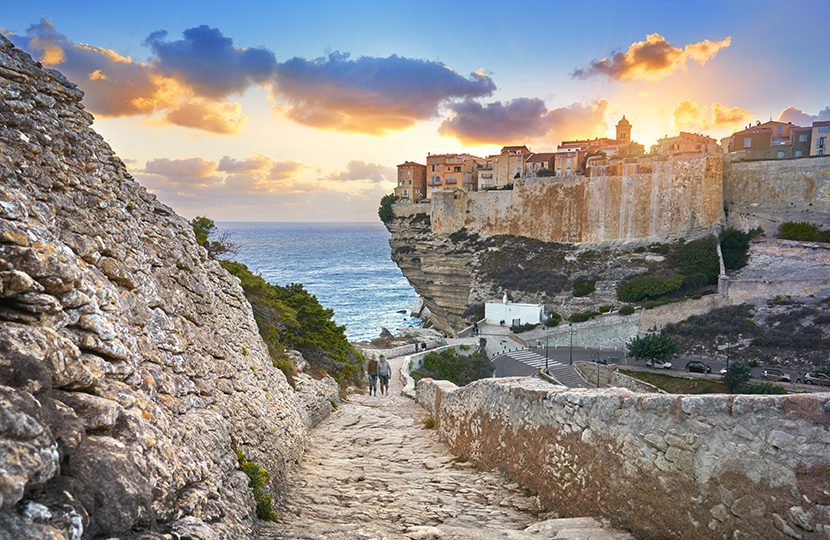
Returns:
<point x="571" y="331"/>
<point x="547" y="371"/>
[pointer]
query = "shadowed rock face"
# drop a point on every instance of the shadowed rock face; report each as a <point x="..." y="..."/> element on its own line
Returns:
<point x="129" y="361"/>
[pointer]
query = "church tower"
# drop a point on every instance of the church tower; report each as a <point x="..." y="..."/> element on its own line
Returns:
<point x="623" y="130"/>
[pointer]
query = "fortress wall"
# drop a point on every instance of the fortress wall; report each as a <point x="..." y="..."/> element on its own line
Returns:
<point x="661" y="466"/>
<point x="676" y="198"/>
<point x="768" y="193"/>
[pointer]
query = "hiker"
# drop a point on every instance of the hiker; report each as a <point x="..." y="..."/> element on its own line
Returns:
<point x="372" y="371"/>
<point x="384" y="372"/>
<point x="475" y="328"/>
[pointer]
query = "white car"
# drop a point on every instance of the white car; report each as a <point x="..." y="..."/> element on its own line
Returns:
<point x="658" y="364"/>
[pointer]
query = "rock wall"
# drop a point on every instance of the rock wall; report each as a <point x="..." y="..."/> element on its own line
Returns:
<point x="767" y="193"/>
<point x="679" y="198"/>
<point x="661" y="466"/>
<point x="129" y="361"/>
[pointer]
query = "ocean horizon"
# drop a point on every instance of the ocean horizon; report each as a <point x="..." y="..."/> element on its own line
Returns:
<point x="345" y="264"/>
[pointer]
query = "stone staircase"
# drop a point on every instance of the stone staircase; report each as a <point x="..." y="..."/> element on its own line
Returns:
<point x="582" y="528"/>
<point x="566" y="374"/>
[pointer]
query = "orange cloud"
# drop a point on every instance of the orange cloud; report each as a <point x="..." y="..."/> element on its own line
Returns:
<point x="652" y="59"/>
<point x="223" y="118"/>
<point x="692" y="115"/>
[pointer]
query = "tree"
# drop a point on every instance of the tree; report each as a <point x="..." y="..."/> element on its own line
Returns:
<point x="736" y="376"/>
<point x="545" y="172"/>
<point x="385" y="209"/>
<point x="734" y="245"/>
<point x="652" y="347"/>
<point x="204" y="228"/>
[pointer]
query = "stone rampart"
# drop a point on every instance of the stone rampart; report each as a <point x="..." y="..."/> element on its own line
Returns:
<point x="767" y="193"/>
<point x="677" y="199"/>
<point x="661" y="466"/>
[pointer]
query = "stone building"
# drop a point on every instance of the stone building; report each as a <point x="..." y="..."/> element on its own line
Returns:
<point x="820" y="132"/>
<point x="622" y="147"/>
<point x="769" y="140"/>
<point x="451" y="172"/>
<point x="538" y="162"/>
<point x="411" y="181"/>
<point x="686" y="144"/>
<point x="509" y="164"/>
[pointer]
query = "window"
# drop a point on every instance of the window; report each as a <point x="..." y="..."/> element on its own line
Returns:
<point x="824" y="129"/>
<point x="458" y="169"/>
<point x="780" y="154"/>
<point x="747" y="142"/>
<point x="780" y="130"/>
<point x="802" y="137"/>
<point x="822" y="142"/>
<point x="798" y="153"/>
<point x="405" y="194"/>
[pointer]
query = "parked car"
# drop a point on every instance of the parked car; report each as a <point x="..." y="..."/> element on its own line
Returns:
<point x="658" y="364"/>
<point x="817" y="378"/>
<point x="772" y="374"/>
<point x="698" y="367"/>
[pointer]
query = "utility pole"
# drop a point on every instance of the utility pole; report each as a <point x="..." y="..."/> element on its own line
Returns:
<point x="547" y="371"/>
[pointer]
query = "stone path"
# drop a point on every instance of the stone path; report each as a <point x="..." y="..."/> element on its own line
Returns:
<point x="373" y="471"/>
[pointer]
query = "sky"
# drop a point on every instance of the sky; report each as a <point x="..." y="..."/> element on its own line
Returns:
<point x="300" y="111"/>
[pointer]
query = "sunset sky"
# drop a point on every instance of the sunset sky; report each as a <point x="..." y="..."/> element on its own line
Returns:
<point x="300" y="111"/>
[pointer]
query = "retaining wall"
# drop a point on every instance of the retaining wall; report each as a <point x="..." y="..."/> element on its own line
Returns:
<point x="661" y="466"/>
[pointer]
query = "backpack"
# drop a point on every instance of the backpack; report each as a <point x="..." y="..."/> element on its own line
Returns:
<point x="372" y="367"/>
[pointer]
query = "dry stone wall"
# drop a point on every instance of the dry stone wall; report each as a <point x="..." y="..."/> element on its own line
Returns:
<point x="661" y="466"/>
<point x="130" y="363"/>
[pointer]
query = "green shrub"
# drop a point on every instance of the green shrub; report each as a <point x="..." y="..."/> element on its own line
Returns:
<point x="385" y="209"/>
<point x="203" y="229"/>
<point x="519" y="328"/>
<point x="647" y="286"/>
<point x="286" y="365"/>
<point x="584" y="286"/>
<point x="652" y="347"/>
<point x="640" y="249"/>
<point x="257" y="478"/>
<point x="605" y="308"/>
<point x="448" y="365"/>
<point x="626" y="310"/>
<point x="803" y="231"/>
<point x="545" y="172"/>
<point x="736" y="376"/>
<point x="734" y="246"/>
<point x="429" y="422"/>
<point x="582" y="316"/>
<point x="698" y="257"/>
<point x="659" y="248"/>
<point x="290" y="317"/>
<point x="553" y="319"/>
<point x="694" y="281"/>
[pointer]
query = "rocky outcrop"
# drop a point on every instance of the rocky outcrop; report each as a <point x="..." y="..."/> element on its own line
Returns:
<point x="457" y="273"/>
<point x="130" y="363"/>
<point x="661" y="466"/>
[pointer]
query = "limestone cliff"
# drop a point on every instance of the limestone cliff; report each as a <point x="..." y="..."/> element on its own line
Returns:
<point x="129" y="361"/>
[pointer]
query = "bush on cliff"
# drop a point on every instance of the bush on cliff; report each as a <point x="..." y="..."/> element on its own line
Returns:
<point x="626" y="310"/>
<point x="802" y="231"/>
<point x="385" y="208"/>
<point x="289" y="316"/>
<point x="258" y="476"/>
<point x="734" y="246"/>
<point x="204" y="228"/>
<point x="646" y="286"/>
<point x="652" y="347"/>
<point x="698" y="257"/>
<point x="448" y="365"/>
<point x="584" y="286"/>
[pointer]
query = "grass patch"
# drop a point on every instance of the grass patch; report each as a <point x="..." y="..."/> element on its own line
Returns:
<point x="678" y="385"/>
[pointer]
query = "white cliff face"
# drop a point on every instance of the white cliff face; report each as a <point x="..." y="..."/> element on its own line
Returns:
<point x="130" y="363"/>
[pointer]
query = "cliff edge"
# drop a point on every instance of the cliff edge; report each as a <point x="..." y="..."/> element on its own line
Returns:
<point x="130" y="363"/>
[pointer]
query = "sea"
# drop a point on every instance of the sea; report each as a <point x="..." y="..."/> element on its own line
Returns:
<point x="347" y="266"/>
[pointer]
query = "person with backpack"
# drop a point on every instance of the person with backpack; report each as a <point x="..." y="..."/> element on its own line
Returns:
<point x="372" y="371"/>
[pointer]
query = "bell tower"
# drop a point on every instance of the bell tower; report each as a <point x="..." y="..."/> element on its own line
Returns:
<point x="624" y="130"/>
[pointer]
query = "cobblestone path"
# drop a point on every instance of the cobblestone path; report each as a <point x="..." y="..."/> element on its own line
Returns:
<point x="373" y="471"/>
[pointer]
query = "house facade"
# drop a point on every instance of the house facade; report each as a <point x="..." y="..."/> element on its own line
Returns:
<point x="770" y="140"/>
<point x="509" y="164"/>
<point x="451" y="172"/>
<point x="686" y="144"/>
<point x="544" y="161"/>
<point x="820" y="139"/>
<point x="411" y="181"/>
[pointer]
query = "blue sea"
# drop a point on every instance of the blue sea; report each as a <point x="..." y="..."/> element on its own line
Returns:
<point x="346" y="265"/>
